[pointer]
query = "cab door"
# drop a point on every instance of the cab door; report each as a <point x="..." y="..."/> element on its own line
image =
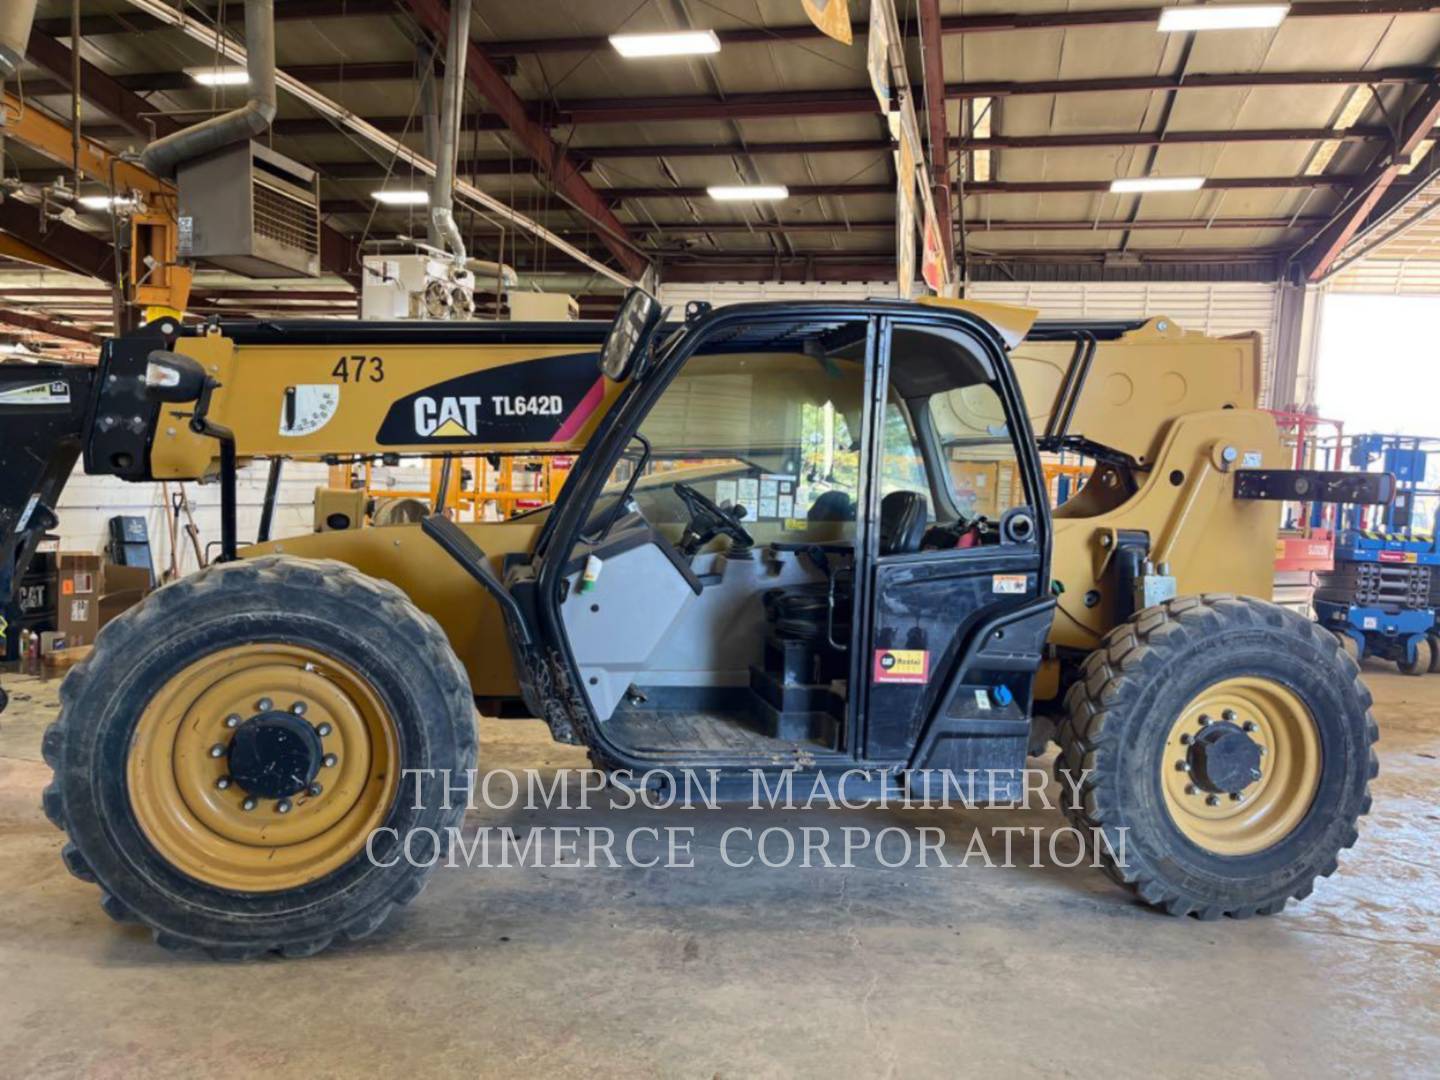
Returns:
<point x="958" y="605"/>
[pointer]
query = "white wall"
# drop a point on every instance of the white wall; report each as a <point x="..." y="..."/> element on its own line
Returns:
<point x="88" y="503"/>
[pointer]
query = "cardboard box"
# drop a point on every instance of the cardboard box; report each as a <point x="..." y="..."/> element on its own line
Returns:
<point x="121" y="588"/>
<point x="77" y="602"/>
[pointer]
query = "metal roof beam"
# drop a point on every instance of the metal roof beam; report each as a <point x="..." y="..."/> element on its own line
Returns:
<point x="1370" y="189"/>
<point x="25" y="320"/>
<point x="969" y="24"/>
<point x="78" y="250"/>
<point x="289" y="11"/>
<point x="992" y="187"/>
<point x="579" y="112"/>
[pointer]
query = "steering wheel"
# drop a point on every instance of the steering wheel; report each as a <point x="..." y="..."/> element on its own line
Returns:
<point x="707" y="521"/>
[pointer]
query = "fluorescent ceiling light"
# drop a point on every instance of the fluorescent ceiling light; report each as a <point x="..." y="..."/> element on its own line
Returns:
<point x="748" y="191"/>
<point x="106" y="202"/>
<point x="219" y="76"/>
<point x="1223" y="17"/>
<point x="1158" y="183"/>
<point x="680" y="43"/>
<point x="402" y="198"/>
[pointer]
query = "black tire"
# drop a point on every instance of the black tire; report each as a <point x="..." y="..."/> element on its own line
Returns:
<point x="1424" y="661"/>
<point x="1434" y="640"/>
<point x="367" y="624"/>
<point x="1120" y="711"/>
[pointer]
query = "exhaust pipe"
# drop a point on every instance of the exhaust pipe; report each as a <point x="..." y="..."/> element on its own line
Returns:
<point x="442" y="194"/>
<point x="238" y="125"/>
<point x="16" y="18"/>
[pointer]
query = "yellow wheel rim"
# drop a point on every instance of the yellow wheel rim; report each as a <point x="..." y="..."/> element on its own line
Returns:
<point x="1266" y="810"/>
<point x="208" y="827"/>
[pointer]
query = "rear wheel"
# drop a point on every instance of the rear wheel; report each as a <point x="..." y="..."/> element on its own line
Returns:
<point x="231" y="762"/>
<point x="1220" y="746"/>
<point x="1434" y="640"/>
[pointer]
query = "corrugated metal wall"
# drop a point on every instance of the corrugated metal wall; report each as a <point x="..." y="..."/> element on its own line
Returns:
<point x="1391" y="277"/>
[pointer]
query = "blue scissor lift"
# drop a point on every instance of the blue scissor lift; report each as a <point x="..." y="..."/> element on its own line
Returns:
<point x="1381" y="597"/>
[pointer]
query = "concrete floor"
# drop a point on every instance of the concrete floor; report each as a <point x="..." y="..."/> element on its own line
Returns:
<point x="714" y="972"/>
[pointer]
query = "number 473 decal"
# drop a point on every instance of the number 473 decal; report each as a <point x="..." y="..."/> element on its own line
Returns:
<point x="359" y="369"/>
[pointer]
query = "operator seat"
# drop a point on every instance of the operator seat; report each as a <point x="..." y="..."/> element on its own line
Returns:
<point x="903" y="520"/>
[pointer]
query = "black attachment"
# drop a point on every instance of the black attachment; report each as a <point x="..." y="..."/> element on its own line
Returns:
<point x="272" y="491"/>
<point x="1132" y="548"/>
<point x="1315" y="485"/>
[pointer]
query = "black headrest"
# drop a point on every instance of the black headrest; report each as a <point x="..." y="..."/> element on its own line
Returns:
<point x="902" y="522"/>
<point x="834" y="505"/>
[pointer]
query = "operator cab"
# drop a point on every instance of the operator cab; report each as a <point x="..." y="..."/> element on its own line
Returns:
<point x="809" y="520"/>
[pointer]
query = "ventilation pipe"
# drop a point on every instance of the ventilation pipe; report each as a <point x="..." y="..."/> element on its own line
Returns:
<point x="16" y="17"/>
<point x="442" y="193"/>
<point x="430" y="113"/>
<point x="238" y="125"/>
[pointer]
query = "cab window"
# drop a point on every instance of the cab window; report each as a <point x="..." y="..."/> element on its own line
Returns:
<point x="980" y="465"/>
<point x="775" y="435"/>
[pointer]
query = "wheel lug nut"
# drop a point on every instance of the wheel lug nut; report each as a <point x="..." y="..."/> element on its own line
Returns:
<point x="323" y="730"/>
<point x="1248" y="725"/>
<point x="1228" y="714"/>
<point x="298" y="708"/>
<point x="223" y="783"/>
<point x="315" y="789"/>
<point x="218" y="750"/>
<point x="232" y="720"/>
<point x="283" y="806"/>
<point x="1190" y="789"/>
<point x="263" y="705"/>
<point x="1264" y="750"/>
<point x="1237" y="796"/>
<point x="1185" y="739"/>
<point x="1182" y="766"/>
<point x="249" y="803"/>
<point x="1212" y="800"/>
<point x="1204" y="721"/>
<point x="329" y="761"/>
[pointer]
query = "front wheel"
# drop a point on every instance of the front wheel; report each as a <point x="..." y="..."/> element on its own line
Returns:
<point x="1221" y="750"/>
<point x="1424" y="661"/>
<point x="233" y="762"/>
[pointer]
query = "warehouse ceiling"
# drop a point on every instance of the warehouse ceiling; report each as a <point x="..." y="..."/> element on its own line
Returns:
<point x="1295" y="130"/>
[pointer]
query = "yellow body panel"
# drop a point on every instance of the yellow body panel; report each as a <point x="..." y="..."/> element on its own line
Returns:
<point x="251" y="398"/>
<point x="437" y="584"/>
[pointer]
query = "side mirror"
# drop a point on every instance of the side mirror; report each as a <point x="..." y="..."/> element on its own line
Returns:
<point x="636" y="323"/>
<point x="172" y="377"/>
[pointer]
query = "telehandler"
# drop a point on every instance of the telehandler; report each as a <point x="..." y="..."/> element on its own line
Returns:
<point x="810" y="537"/>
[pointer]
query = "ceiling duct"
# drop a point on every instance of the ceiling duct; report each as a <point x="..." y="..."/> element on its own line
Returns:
<point x="251" y="119"/>
<point x="442" y="192"/>
<point x="16" y="16"/>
